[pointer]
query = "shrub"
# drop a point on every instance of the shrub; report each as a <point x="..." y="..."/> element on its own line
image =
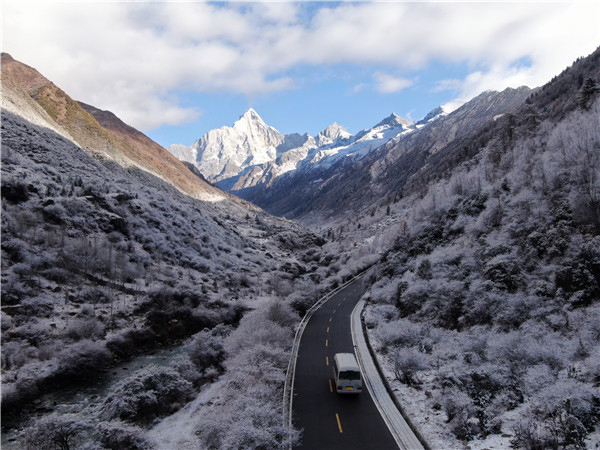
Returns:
<point x="129" y="342"/>
<point x="82" y="360"/>
<point x="54" y="431"/>
<point x="561" y="416"/>
<point x="15" y="250"/>
<point x="504" y="271"/>
<point x="55" y="274"/>
<point x="15" y="355"/>
<point x="149" y="393"/>
<point x="89" y="328"/>
<point x="400" y="333"/>
<point x="55" y="214"/>
<point x="6" y="322"/>
<point x="93" y="295"/>
<point x="118" y="435"/>
<point x="15" y="191"/>
<point x="413" y="298"/>
<point x="281" y="314"/>
<point x="190" y="372"/>
<point x="530" y="435"/>
<point x="303" y="297"/>
<point x="206" y="348"/>
<point x="406" y="363"/>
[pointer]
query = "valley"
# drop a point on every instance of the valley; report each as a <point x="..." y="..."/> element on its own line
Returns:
<point x="479" y="228"/>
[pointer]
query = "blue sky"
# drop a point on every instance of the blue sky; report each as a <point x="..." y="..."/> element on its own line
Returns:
<point x="323" y="95"/>
<point x="178" y="69"/>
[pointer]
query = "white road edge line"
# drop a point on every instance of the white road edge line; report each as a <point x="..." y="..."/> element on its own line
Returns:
<point x="402" y="433"/>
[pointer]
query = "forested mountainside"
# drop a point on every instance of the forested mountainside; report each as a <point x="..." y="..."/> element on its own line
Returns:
<point x="103" y="261"/>
<point x="486" y="310"/>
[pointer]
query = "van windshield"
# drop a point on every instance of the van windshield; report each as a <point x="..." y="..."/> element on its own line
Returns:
<point x="350" y="375"/>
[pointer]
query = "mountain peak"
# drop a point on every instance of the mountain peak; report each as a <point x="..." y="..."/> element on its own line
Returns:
<point x="332" y="133"/>
<point x="251" y="115"/>
<point x="225" y="152"/>
<point x="250" y="120"/>
<point x="394" y="120"/>
<point x="432" y="115"/>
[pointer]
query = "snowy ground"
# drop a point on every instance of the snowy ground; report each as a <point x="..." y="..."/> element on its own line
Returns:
<point x="179" y="430"/>
<point x="420" y="403"/>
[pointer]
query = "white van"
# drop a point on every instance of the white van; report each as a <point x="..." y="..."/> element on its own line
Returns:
<point x="346" y="374"/>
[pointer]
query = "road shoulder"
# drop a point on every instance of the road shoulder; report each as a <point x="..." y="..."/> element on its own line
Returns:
<point x="403" y="434"/>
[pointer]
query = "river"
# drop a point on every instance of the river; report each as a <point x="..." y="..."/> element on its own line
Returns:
<point x="82" y="397"/>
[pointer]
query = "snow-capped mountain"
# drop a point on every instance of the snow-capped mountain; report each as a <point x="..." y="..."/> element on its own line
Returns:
<point x="253" y="153"/>
<point x="331" y="134"/>
<point x="362" y="143"/>
<point x="225" y="152"/>
<point x="381" y="159"/>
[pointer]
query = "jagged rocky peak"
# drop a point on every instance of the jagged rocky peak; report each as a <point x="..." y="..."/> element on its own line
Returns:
<point x="394" y="120"/>
<point x="432" y="115"/>
<point x="250" y="116"/>
<point x="225" y="152"/>
<point x="252" y="125"/>
<point x="331" y="134"/>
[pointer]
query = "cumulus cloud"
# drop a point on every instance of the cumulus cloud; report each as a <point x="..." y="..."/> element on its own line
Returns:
<point x="133" y="58"/>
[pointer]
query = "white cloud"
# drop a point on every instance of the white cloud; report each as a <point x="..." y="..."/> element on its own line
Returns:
<point x="449" y="84"/>
<point x="387" y="84"/>
<point x="359" y="87"/>
<point x="128" y="57"/>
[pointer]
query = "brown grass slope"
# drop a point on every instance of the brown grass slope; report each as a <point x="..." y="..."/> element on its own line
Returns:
<point x="103" y="134"/>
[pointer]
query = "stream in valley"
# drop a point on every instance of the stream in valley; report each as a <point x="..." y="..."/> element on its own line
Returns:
<point x="81" y="398"/>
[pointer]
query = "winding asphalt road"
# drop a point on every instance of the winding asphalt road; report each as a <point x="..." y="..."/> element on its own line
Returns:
<point x="330" y="420"/>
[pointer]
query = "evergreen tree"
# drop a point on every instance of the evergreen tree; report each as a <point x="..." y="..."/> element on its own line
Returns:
<point x="589" y="89"/>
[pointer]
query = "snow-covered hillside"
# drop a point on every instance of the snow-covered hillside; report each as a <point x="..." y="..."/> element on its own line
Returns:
<point x="484" y="306"/>
<point x="103" y="264"/>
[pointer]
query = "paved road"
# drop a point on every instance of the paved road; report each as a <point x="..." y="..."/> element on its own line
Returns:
<point x="332" y="421"/>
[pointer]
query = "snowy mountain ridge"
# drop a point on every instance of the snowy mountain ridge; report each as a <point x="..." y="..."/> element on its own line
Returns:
<point x="363" y="142"/>
<point x="251" y="152"/>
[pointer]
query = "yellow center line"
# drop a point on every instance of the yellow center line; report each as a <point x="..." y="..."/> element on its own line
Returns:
<point x="326" y="342"/>
<point x="330" y="319"/>
<point x="339" y="304"/>
<point x="334" y="311"/>
<point x="328" y="329"/>
<point x="327" y="360"/>
<point x="337" y="416"/>
<point x="330" y="386"/>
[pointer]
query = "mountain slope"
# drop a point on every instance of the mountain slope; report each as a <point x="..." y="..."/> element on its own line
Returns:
<point x="116" y="141"/>
<point x="150" y="156"/>
<point x="104" y="262"/>
<point x="339" y="191"/>
<point x="16" y="99"/>
<point x="486" y="305"/>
